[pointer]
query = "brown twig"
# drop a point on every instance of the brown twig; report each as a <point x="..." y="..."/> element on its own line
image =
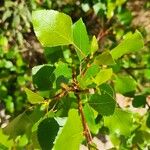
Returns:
<point x="80" y="107"/>
<point x="85" y="126"/>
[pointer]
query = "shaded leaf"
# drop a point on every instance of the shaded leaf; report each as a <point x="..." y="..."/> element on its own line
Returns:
<point x="47" y="132"/>
<point x="50" y="52"/>
<point x="139" y="101"/>
<point x="148" y="121"/>
<point x="41" y="76"/>
<point x="23" y="123"/>
<point x="106" y="88"/>
<point x="52" y="28"/>
<point x="19" y="126"/>
<point x="104" y="104"/>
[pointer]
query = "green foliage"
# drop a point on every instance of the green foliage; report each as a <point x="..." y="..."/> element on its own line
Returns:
<point x="12" y="79"/>
<point x="71" y="137"/>
<point x="104" y="104"/>
<point x="131" y="43"/>
<point x="49" y="127"/>
<point x="80" y="39"/>
<point x="125" y="85"/>
<point x="48" y="31"/>
<point x="120" y="122"/>
<point x="80" y="81"/>
<point x="33" y="98"/>
<point x="38" y="73"/>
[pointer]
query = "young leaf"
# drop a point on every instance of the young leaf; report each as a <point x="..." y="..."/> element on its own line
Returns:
<point x="94" y="45"/>
<point x="104" y="59"/>
<point x="4" y="140"/>
<point x="131" y="43"/>
<point x="33" y="98"/>
<point x="80" y="38"/>
<point x="62" y="69"/>
<point x="120" y="122"/>
<point x="103" y="76"/>
<point x="41" y="76"/>
<point x="104" y="104"/>
<point x="125" y="85"/>
<point x="106" y="88"/>
<point x="72" y="133"/>
<point x="47" y="132"/>
<point x="52" y="28"/>
<point x="90" y="118"/>
<point x="86" y="79"/>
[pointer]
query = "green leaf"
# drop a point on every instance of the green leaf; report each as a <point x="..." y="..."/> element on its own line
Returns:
<point x="33" y="98"/>
<point x="139" y="101"/>
<point x="120" y="122"/>
<point x="148" y="121"/>
<point x="52" y="28"/>
<point x="80" y="39"/>
<point x="4" y="140"/>
<point x="104" y="59"/>
<point x="62" y="69"/>
<point x="104" y="104"/>
<point x="41" y="76"/>
<point x="103" y="76"/>
<point x="89" y="74"/>
<point x="94" y="45"/>
<point x="23" y="123"/>
<point x="47" y="132"/>
<point x="72" y="133"/>
<point x="90" y="118"/>
<point x="110" y="8"/>
<point x="131" y="43"/>
<point x="106" y="88"/>
<point x="125" y="17"/>
<point x="19" y="126"/>
<point x="125" y="85"/>
<point x="53" y="54"/>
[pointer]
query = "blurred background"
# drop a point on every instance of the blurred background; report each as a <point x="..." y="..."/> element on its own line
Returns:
<point x="108" y="20"/>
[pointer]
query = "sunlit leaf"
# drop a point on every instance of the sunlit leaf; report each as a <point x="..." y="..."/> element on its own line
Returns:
<point x="103" y="76"/>
<point x="72" y="133"/>
<point x="94" y="45"/>
<point x="120" y="122"/>
<point x="125" y="85"/>
<point x="80" y="38"/>
<point x="33" y="98"/>
<point x="104" y="59"/>
<point x="131" y="43"/>
<point x="52" y="27"/>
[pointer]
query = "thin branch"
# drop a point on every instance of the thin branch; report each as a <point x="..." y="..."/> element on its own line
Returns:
<point x="85" y="126"/>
